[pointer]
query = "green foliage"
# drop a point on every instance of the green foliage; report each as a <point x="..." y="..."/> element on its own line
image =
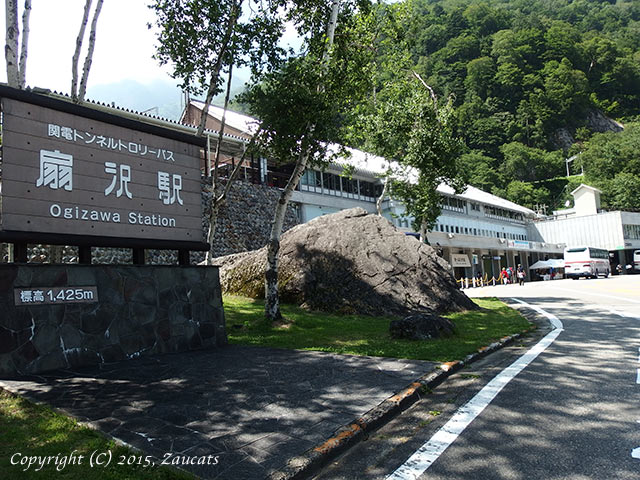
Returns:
<point x="191" y="36"/>
<point x="480" y="170"/>
<point x="36" y="430"/>
<point x="528" y="164"/>
<point x="624" y="191"/>
<point x="519" y="71"/>
<point x="404" y="122"/>
<point x="303" y="104"/>
<point x="611" y="163"/>
<point x="422" y="138"/>
<point x="362" y="335"/>
<point x="527" y="194"/>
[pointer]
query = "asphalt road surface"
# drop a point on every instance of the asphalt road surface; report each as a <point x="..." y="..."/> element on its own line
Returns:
<point x="562" y="403"/>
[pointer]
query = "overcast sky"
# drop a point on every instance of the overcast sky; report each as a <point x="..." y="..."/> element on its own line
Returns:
<point x="124" y="44"/>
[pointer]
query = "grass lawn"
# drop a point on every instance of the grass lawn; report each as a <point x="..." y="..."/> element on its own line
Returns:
<point x="363" y="335"/>
<point x="28" y="430"/>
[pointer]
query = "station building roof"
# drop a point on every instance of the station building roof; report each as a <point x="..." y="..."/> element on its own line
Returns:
<point x="373" y="165"/>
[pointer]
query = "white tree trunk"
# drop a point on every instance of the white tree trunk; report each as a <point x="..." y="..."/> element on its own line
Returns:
<point x="272" y="299"/>
<point x="333" y="23"/>
<point x="76" y="54"/>
<point x="234" y="14"/>
<point x="89" y="58"/>
<point x="11" y="47"/>
<point x="25" y="44"/>
<point x="217" y="201"/>
<point x="385" y="190"/>
<point x="423" y="232"/>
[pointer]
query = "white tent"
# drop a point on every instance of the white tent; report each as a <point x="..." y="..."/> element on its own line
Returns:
<point x="552" y="263"/>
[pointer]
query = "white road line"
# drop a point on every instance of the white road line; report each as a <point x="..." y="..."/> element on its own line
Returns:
<point x="424" y="457"/>
<point x="584" y="292"/>
<point x="622" y="314"/>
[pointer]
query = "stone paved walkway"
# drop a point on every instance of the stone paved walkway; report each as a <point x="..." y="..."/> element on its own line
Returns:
<point x="253" y="407"/>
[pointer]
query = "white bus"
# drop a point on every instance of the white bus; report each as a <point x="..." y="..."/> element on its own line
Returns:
<point x="586" y="262"/>
<point x="636" y="261"/>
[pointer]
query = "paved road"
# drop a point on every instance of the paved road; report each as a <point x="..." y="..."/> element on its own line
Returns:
<point x="572" y="413"/>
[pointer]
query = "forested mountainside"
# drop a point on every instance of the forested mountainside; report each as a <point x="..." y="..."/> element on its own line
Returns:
<point x="535" y="82"/>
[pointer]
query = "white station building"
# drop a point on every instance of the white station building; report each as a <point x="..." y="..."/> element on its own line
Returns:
<point x="588" y="224"/>
<point x="476" y="231"/>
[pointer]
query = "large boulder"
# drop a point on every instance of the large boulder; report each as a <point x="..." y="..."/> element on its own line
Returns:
<point x="350" y="262"/>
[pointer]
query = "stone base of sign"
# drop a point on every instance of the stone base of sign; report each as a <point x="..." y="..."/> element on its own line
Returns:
<point x="141" y="310"/>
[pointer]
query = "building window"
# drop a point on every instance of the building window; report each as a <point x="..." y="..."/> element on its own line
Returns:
<point x="632" y="232"/>
<point x="331" y="182"/>
<point x="503" y="213"/>
<point x="367" y="190"/>
<point x="311" y="181"/>
<point x="452" y="203"/>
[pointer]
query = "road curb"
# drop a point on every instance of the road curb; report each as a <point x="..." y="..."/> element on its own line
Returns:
<point x="312" y="460"/>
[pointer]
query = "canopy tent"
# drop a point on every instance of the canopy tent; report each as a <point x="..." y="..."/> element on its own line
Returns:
<point x="552" y="263"/>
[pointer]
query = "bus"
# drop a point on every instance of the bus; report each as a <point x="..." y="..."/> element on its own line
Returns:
<point x="586" y="262"/>
<point x="636" y="261"/>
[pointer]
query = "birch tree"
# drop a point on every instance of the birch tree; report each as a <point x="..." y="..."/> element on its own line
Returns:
<point x="204" y="41"/>
<point x="78" y="91"/>
<point x="16" y="61"/>
<point x="421" y="137"/>
<point x="302" y="105"/>
<point x="405" y="123"/>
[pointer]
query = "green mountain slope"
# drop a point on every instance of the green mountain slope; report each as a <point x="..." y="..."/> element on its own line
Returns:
<point x="534" y="81"/>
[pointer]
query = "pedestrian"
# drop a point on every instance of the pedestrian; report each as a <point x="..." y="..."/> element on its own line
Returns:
<point x="503" y="274"/>
<point x="520" y="274"/>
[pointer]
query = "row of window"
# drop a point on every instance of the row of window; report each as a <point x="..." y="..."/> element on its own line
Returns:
<point x="503" y="213"/>
<point x="458" y="205"/>
<point x="478" y="232"/>
<point x="452" y="203"/>
<point x="333" y="184"/>
<point x="632" y="232"/>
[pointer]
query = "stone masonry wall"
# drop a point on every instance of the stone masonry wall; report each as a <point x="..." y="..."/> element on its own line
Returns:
<point x="245" y="220"/>
<point x="142" y="310"/>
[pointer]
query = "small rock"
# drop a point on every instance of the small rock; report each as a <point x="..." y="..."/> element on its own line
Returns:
<point x="421" y="326"/>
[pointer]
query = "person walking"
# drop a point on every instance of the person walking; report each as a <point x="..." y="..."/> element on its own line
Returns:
<point x="520" y="274"/>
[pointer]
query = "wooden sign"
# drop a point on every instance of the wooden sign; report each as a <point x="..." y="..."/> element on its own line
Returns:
<point x="71" y="175"/>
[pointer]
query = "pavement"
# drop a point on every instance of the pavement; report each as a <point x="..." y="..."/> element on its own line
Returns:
<point x="264" y="413"/>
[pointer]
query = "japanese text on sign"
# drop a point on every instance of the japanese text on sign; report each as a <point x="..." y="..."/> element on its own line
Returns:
<point x="47" y="296"/>
<point x="56" y="172"/>
<point x="88" y="138"/>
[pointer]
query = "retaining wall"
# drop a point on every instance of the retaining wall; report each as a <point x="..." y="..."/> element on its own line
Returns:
<point x="140" y="310"/>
